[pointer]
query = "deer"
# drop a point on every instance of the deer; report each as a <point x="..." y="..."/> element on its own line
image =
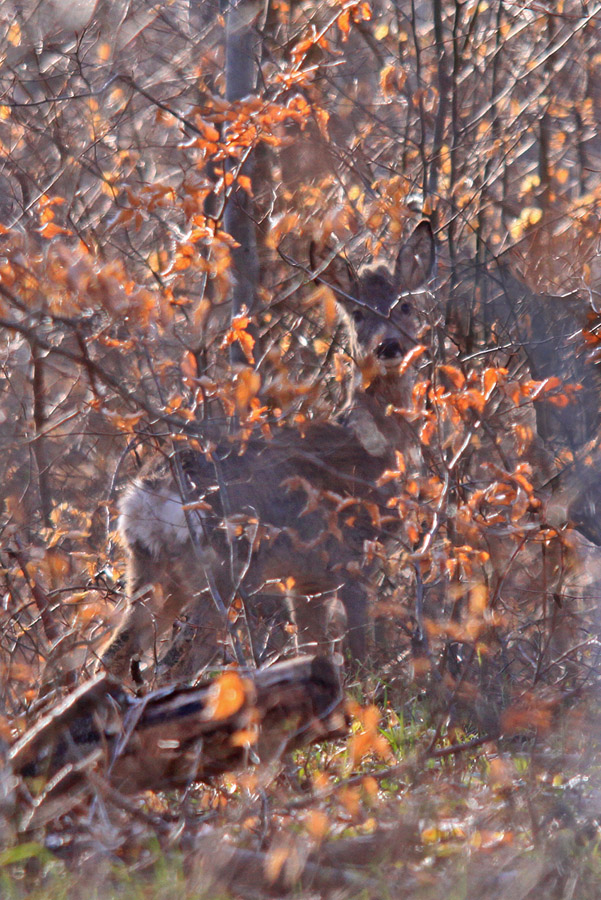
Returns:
<point x="281" y="522"/>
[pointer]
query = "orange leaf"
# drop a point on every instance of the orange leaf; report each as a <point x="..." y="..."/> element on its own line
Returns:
<point x="362" y="12"/>
<point x="245" y="737"/>
<point x="490" y="379"/>
<point x="50" y="230"/>
<point x="370" y="716"/>
<point x="209" y="131"/>
<point x="245" y="183"/>
<point x="478" y="600"/>
<point x="317" y="824"/>
<point x="387" y="80"/>
<point x="500" y="772"/>
<point x="188" y="366"/>
<point x="427" y="432"/>
<point x="246" y="340"/>
<point x="274" y="862"/>
<point x="410" y="357"/>
<point x="329" y="310"/>
<point x="542" y="387"/>
<point x="323" y="117"/>
<point x="559" y="400"/>
<point x="392" y="79"/>
<point x="239" y="333"/>
<point x="488" y="840"/>
<point x="14" y="34"/>
<point x="126" y="422"/>
<point x="344" y="23"/>
<point x="57" y="563"/>
<point x="247" y="385"/>
<point x="455" y="376"/>
<point x="227" y="696"/>
<point x="350" y="798"/>
<point x="370" y="786"/>
<point x="370" y="369"/>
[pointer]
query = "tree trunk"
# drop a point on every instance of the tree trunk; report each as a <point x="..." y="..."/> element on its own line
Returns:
<point x="242" y="48"/>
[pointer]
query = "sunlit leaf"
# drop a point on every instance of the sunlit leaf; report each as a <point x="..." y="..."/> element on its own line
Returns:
<point x="317" y="824"/>
<point x="14" y="34"/>
<point x="227" y="696"/>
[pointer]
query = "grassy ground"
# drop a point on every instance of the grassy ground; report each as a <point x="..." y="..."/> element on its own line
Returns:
<point x="403" y="807"/>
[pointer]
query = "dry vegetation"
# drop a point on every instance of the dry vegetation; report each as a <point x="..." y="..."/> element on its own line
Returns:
<point x="470" y="762"/>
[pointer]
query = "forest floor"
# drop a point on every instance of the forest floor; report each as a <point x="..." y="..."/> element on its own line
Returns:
<point x="402" y="807"/>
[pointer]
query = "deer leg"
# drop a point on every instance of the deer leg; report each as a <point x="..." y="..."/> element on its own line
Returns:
<point x="136" y="632"/>
<point x="267" y="621"/>
<point x="354" y="598"/>
<point x="198" y="642"/>
<point x="201" y="637"/>
<point x="147" y="620"/>
<point x="320" y="622"/>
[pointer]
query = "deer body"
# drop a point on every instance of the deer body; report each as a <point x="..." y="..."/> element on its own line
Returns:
<point x="282" y="523"/>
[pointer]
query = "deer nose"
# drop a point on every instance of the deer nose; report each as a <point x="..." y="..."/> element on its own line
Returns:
<point x="389" y="349"/>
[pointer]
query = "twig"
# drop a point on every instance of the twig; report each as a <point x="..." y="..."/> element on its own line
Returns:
<point x="40" y="597"/>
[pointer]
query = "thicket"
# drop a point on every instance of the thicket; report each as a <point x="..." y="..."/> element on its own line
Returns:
<point x="158" y="197"/>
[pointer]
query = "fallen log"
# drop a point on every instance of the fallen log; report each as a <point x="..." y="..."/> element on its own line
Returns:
<point x="182" y="733"/>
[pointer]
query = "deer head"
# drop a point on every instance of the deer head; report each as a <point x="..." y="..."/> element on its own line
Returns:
<point x="379" y="304"/>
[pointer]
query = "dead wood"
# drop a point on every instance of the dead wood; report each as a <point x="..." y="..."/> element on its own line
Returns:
<point x="183" y="733"/>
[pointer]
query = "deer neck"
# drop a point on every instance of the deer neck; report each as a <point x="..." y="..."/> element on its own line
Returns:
<point x="388" y="390"/>
<point x="371" y="415"/>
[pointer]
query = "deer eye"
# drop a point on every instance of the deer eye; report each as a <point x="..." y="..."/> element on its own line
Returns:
<point x="357" y="316"/>
<point x="405" y="308"/>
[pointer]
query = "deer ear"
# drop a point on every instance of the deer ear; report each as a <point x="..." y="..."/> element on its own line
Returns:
<point x="338" y="272"/>
<point x="415" y="261"/>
